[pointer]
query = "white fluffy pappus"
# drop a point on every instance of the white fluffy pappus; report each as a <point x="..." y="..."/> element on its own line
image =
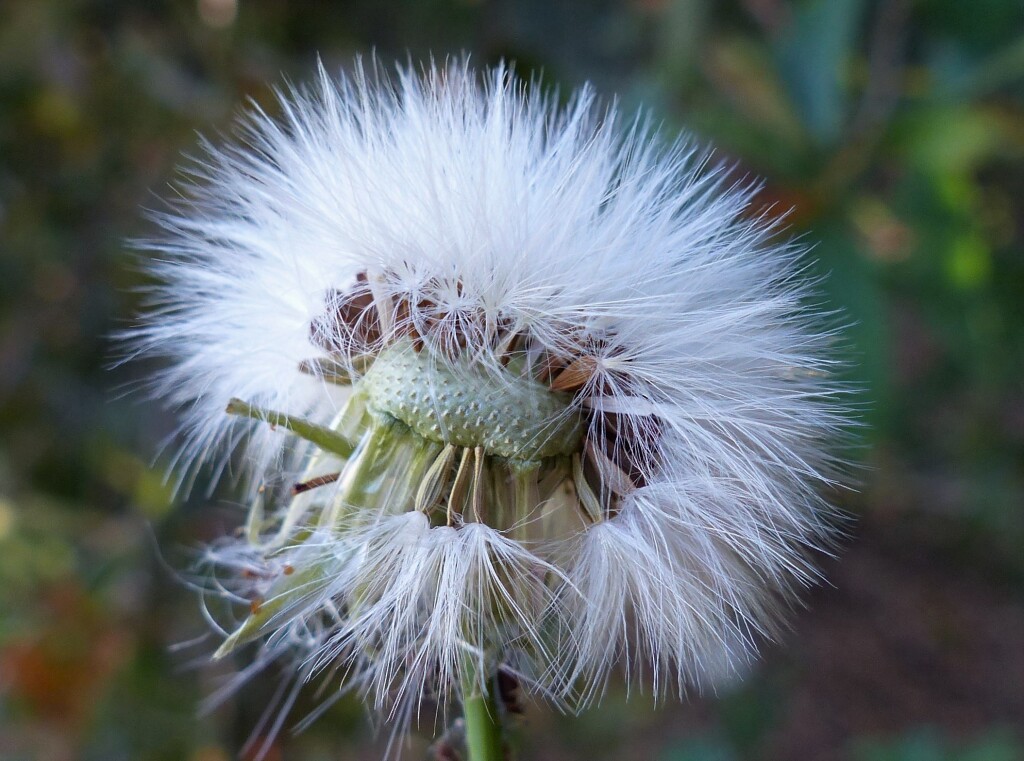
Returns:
<point x="551" y="396"/>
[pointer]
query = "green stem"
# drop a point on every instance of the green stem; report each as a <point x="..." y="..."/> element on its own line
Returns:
<point x="483" y="720"/>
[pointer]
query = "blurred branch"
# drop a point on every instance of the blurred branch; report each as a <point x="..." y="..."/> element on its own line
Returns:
<point x="885" y="66"/>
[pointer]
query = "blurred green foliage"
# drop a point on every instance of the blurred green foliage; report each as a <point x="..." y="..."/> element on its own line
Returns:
<point x="892" y="132"/>
<point x="927" y="746"/>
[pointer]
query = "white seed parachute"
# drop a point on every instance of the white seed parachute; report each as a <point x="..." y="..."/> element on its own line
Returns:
<point x="552" y="397"/>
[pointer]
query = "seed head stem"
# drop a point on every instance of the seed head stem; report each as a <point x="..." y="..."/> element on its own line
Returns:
<point x="484" y="741"/>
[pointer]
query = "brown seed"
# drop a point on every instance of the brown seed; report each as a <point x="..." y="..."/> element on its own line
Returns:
<point x="349" y="323"/>
<point x="576" y="375"/>
<point x="313" y="483"/>
<point x="549" y="366"/>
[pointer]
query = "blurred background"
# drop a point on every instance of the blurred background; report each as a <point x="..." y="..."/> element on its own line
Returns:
<point x="894" y="130"/>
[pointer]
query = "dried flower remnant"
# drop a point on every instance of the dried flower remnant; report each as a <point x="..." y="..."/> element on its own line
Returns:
<point x="546" y="397"/>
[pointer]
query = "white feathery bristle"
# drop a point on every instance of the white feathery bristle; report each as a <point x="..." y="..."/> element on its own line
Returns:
<point x="430" y="598"/>
<point x="557" y="253"/>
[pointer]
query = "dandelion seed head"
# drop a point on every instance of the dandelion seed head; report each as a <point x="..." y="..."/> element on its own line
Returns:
<point x="549" y="390"/>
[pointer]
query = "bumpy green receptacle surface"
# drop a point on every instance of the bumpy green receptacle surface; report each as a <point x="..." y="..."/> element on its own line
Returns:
<point x="467" y="406"/>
